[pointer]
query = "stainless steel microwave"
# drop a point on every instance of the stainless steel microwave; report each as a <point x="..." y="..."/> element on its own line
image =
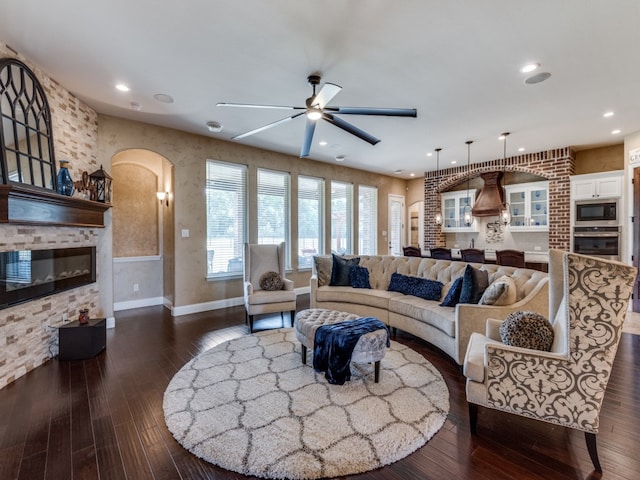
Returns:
<point x="597" y="213"/>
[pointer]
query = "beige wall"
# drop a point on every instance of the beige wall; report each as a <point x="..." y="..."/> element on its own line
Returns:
<point x="135" y="211"/>
<point x="602" y="159"/>
<point x="188" y="154"/>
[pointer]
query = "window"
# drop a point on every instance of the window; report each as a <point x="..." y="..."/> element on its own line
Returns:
<point x="341" y="218"/>
<point x="226" y="197"/>
<point x="273" y="209"/>
<point x="367" y="220"/>
<point x="310" y="219"/>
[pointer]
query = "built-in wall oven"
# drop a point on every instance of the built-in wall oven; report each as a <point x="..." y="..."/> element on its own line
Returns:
<point x="597" y="241"/>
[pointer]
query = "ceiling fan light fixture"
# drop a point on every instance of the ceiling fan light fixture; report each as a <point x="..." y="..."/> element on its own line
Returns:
<point x="314" y="114"/>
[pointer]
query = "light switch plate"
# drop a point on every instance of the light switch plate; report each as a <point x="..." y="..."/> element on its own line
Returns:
<point x="185" y="232"/>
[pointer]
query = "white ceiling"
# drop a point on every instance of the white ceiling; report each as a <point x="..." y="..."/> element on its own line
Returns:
<point x="457" y="62"/>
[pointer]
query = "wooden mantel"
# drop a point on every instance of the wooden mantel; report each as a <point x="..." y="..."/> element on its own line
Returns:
<point x="26" y="205"/>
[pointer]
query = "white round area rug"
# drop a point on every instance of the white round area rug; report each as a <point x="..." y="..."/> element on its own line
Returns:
<point x="249" y="405"/>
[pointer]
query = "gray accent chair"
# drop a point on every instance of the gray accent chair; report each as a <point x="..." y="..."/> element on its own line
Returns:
<point x="260" y="259"/>
<point x="588" y="299"/>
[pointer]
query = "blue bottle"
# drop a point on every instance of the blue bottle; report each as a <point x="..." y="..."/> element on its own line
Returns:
<point x="65" y="184"/>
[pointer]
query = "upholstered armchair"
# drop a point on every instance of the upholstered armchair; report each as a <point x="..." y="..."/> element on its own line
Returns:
<point x="588" y="300"/>
<point x="259" y="260"/>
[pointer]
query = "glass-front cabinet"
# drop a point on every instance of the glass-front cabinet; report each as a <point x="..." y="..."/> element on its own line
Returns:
<point x="453" y="204"/>
<point x="529" y="206"/>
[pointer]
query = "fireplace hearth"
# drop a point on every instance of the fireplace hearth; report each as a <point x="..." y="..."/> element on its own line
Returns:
<point x="29" y="274"/>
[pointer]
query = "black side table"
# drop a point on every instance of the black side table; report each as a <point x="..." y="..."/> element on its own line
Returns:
<point x="79" y="342"/>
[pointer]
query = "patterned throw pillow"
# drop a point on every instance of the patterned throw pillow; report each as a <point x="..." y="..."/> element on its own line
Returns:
<point x="340" y="271"/>
<point x="474" y="283"/>
<point x="323" y="270"/>
<point x="500" y="292"/>
<point x="416" y="286"/>
<point x="271" y="281"/>
<point x="359" y="277"/>
<point x="453" y="295"/>
<point x="527" y="330"/>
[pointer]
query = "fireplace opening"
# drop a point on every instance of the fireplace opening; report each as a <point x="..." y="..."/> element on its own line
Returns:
<point x="29" y="274"/>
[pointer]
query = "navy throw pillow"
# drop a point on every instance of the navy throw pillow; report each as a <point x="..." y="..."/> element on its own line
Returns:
<point x="416" y="286"/>
<point x="453" y="295"/>
<point x="359" y="277"/>
<point x="340" y="270"/>
<point x="474" y="283"/>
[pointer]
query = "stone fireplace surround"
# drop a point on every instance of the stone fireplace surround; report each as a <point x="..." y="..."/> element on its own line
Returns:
<point x="26" y="339"/>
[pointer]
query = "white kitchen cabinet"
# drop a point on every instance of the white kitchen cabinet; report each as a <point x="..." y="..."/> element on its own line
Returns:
<point x="453" y="204"/>
<point x="596" y="185"/>
<point x="529" y="206"/>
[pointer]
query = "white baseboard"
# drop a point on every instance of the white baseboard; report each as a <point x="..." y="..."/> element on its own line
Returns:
<point x="143" y="302"/>
<point x="206" y="306"/>
<point x="217" y="304"/>
<point x="111" y="322"/>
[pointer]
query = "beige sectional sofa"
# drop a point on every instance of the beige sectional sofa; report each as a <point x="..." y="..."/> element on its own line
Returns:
<point x="448" y="328"/>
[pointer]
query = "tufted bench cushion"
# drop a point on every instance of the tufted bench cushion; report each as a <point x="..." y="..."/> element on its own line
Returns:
<point x="370" y="348"/>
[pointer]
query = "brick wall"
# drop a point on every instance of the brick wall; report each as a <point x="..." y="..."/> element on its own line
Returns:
<point x="556" y="166"/>
<point x="25" y="340"/>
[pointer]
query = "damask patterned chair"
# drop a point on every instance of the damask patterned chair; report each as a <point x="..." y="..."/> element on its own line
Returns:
<point x="588" y="300"/>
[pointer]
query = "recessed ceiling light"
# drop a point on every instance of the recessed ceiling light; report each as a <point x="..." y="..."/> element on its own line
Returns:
<point x="163" y="98"/>
<point x="340" y="158"/>
<point x="322" y="143"/>
<point x="530" y="67"/>
<point x="537" y="78"/>
<point x="453" y="162"/>
<point x="122" y="87"/>
<point x="616" y="131"/>
<point x="429" y="154"/>
<point x="521" y="149"/>
<point x="607" y="114"/>
<point x="214" y="127"/>
<point x="397" y="172"/>
<point x="412" y="174"/>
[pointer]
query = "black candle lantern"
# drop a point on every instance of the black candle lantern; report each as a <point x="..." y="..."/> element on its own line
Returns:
<point x="100" y="186"/>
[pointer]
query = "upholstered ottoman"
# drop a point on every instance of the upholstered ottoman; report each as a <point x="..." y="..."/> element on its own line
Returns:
<point x="370" y="348"/>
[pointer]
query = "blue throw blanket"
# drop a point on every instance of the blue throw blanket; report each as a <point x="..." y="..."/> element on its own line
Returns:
<point x="333" y="346"/>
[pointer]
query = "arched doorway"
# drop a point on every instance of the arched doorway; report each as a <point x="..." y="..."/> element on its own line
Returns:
<point x="142" y="229"/>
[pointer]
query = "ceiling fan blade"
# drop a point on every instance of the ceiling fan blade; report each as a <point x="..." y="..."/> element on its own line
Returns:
<point x="390" y="112"/>
<point x="250" y="105"/>
<point x="326" y="94"/>
<point x="309" y="129"/>
<point x="352" y="129"/>
<point x="265" y="127"/>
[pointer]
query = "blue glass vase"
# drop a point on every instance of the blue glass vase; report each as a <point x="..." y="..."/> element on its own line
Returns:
<point x="65" y="184"/>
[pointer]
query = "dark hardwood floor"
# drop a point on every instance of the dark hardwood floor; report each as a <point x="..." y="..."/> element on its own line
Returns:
<point x="102" y="418"/>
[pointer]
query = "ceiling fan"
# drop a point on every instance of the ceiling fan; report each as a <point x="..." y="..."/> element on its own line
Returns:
<point x="316" y="109"/>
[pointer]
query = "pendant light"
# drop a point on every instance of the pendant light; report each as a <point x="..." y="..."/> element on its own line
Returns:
<point x="438" y="216"/>
<point x="467" y="216"/>
<point x="505" y="209"/>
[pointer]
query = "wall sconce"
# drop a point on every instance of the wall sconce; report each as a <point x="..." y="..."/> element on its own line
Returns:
<point x="163" y="196"/>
